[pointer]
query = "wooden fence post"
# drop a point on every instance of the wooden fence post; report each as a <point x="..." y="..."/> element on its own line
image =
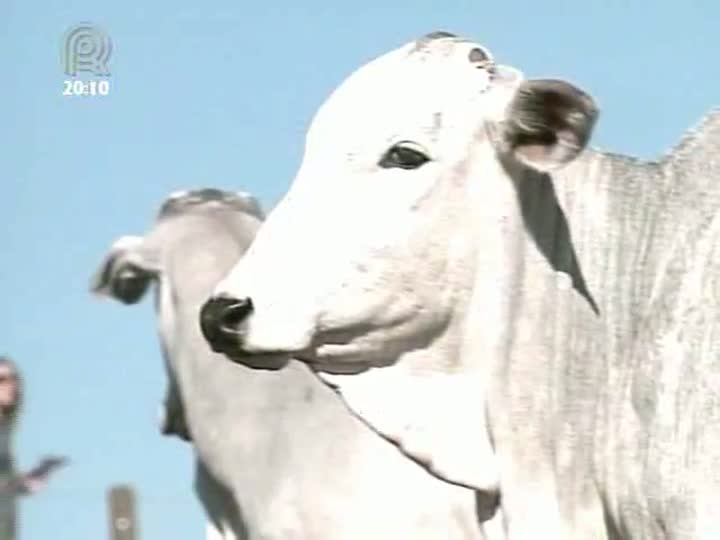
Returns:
<point x="121" y="506"/>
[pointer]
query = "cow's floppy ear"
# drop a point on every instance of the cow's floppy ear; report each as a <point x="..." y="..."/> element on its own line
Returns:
<point x="125" y="272"/>
<point x="549" y="122"/>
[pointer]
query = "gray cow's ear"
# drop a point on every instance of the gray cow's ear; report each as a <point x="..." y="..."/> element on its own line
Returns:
<point x="549" y="123"/>
<point x="126" y="271"/>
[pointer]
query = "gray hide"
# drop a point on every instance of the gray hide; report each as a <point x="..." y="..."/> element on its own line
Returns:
<point x="296" y="463"/>
<point x="622" y="373"/>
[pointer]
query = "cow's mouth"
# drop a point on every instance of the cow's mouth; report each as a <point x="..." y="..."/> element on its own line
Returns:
<point x="333" y="367"/>
<point x="337" y="352"/>
<point x="267" y="361"/>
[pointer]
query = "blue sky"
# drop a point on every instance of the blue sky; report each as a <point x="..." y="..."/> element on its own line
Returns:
<point x="220" y="94"/>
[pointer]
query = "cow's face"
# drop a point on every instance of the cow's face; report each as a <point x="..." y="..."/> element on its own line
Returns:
<point x="186" y="223"/>
<point x="374" y="248"/>
<point x="196" y="234"/>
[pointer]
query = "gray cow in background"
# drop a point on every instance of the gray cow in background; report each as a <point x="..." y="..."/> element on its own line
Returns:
<point x="277" y="451"/>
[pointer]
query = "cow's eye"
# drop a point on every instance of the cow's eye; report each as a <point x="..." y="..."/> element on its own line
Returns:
<point x="404" y="155"/>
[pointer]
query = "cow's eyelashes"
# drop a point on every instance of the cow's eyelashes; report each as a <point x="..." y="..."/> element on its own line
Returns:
<point x="404" y="155"/>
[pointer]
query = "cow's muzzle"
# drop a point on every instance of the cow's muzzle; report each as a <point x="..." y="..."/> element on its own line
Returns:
<point x="222" y="322"/>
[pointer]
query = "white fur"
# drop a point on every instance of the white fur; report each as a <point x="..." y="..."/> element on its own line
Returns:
<point x="386" y="254"/>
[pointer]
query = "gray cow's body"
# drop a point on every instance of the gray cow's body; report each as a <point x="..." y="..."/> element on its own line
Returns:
<point x="279" y="450"/>
<point x="625" y="400"/>
<point x="551" y="337"/>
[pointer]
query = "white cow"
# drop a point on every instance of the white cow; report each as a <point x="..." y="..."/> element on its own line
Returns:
<point x="280" y="457"/>
<point x="517" y="315"/>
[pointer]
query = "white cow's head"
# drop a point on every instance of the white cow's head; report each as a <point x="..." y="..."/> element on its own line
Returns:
<point x="370" y="267"/>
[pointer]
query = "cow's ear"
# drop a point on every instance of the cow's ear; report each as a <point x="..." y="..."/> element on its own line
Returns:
<point x="125" y="272"/>
<point x="548" y="123"/>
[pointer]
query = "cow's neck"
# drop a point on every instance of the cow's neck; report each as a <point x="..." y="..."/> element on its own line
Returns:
<point x="428" y="400"/>
<point x="631" y="222"/>
<point x="613" y="208"/>
<point x="553" y="285"/>
<point x="543" y="337"/>
<point x="644" y="234"/>
<point x="588" y="257"/>
<point x="603" y="237"/>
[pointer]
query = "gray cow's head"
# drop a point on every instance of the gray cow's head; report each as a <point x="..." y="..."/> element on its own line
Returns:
<point x="404" y="198"/>
<point x="173" y="250"/>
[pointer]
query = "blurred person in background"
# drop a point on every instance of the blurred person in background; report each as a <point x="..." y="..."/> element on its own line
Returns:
<point x="13" y="484"/>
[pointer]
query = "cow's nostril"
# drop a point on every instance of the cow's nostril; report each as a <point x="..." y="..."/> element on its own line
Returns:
<point x="221" y="318"/>
<point x="236" y="311"/>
